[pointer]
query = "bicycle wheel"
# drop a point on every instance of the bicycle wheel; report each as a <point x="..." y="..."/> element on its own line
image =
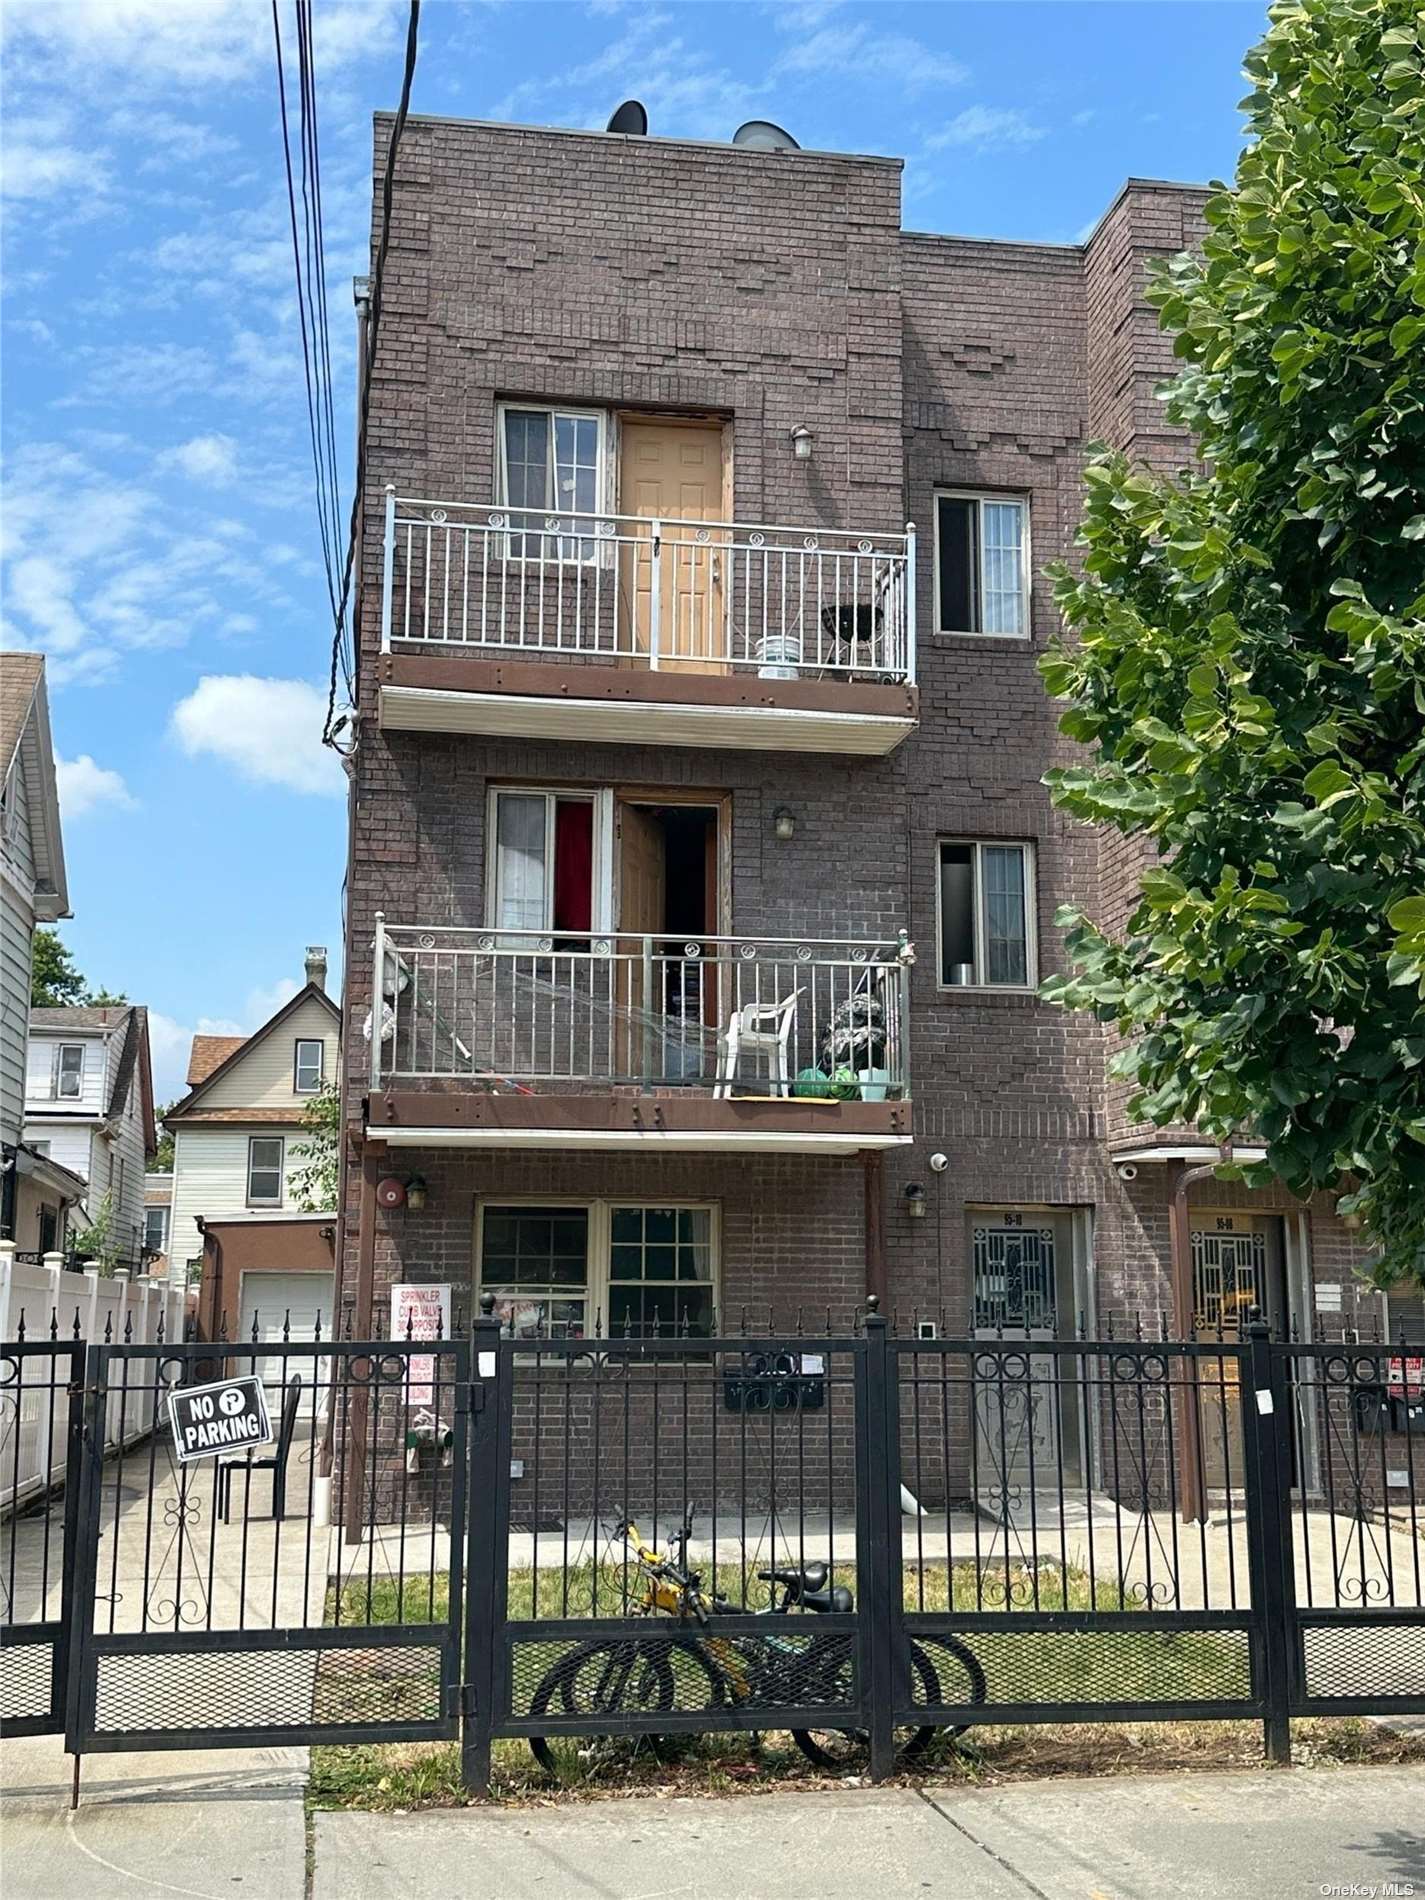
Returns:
<point x="960" y="1678"/>
<point x="848" y="1750"/>
<point x="604" y="1678"/>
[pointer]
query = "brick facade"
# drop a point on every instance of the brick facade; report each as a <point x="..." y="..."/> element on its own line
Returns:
<point x="776" y="290"/>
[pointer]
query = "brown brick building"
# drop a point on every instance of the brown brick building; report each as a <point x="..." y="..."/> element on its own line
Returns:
<point x="699" y="831"/>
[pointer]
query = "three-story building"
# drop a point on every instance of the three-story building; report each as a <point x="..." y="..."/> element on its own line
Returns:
<point x="702" y="872"/>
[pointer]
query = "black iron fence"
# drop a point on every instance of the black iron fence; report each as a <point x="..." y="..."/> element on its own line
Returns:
<point x="872" y="1539"/>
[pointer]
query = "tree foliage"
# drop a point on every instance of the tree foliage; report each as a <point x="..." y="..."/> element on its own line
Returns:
<point x="162" y="1162"/>
<point x="56" y="981"/>
<point x="315" y="1180"/>
<point x="1245" y="656"/>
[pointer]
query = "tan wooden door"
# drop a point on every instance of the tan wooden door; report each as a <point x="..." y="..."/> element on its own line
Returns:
<point x="673" y="472"/>
<point x="641" y="906"/>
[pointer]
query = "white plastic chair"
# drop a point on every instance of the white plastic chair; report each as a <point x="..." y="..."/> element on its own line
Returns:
<point x="758" y="1029"/>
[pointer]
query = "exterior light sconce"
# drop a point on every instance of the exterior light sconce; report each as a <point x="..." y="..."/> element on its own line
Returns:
<point x="416" y="1193"/>
<point x="784" y="824"/>
<point x="802" y="440"/>
<point x="915" y="1201"/>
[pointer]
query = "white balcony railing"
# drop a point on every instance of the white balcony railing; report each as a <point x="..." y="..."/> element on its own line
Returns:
<point x="738" y="1015"/>
<point x="690" y="596"/>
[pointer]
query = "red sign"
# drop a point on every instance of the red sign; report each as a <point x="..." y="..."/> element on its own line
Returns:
<point x="1405" y="1376"/>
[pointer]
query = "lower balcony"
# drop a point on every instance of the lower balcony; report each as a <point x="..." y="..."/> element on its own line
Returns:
<point x="605" y="1041"/>
<point x="624" y="628"/>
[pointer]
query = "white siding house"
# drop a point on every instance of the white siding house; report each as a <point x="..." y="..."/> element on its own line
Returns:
<point x="32" y="891"/>
<point x="236" y="1131"/>
<point x="89" y="1108"/>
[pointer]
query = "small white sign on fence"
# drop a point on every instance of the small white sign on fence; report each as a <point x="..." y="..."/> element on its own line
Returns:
<point x="420" y="1312"/>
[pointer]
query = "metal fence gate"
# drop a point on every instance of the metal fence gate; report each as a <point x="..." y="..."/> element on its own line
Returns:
<point x="257" y="1600"/>
<point x="896" y="1537"/>
<point x="40" y="1410"/>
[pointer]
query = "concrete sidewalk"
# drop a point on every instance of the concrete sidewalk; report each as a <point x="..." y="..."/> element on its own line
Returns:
<point x="1283" y="1836"/>
<point x="206" y="1826"/>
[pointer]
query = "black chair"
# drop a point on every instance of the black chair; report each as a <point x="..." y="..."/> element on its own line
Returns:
<point x="276" y="1464"/>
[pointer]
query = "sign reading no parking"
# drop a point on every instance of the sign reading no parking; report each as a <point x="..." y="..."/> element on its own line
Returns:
<point x="230" y="1415"/>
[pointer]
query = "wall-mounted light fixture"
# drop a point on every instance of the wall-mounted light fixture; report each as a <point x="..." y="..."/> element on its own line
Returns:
<point x="802" y="440"/>
<point x="416" y="1193"/>
<point x="784" y="823"/>
<point x="915" y="1201"/>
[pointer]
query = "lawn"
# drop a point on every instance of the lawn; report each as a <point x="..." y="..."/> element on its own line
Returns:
<point x="1092" y="1666"/>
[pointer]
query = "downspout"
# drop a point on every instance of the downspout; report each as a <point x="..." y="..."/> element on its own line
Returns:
<point x="1191" y="1490"/>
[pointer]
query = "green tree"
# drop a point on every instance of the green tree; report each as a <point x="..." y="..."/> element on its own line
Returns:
<point x="56" y="981"/>
<point x="1245" y="657"/>
<point x="315" y="1180"/>
<point x="162" y="1162"/>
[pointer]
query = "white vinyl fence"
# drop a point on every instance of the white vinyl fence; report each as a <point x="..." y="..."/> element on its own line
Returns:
<point x="43" y="1301"/>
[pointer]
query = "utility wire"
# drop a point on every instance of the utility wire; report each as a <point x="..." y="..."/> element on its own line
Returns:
<point x="373" y="327"/>
<point x="316" y="264"/>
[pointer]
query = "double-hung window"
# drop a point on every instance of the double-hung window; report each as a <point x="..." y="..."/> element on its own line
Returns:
<point x="68" y="1080"/>
<point x="986" y="915"/>
<point x="981" y="564"/>
<point x="307" y="1065"/>
<point x="155" y="1230"/>
<point x="264" y="1170"/>
<point x="564" y="1270"/>
<point x="543" y="863"/>
<point x="552" y="465"/>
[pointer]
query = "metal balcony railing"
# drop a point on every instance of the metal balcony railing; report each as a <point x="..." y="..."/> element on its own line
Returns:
<point x="690" y="596"/>
<point x="737" y="1015"/>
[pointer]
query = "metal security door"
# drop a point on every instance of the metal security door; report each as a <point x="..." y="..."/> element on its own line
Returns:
<point x="251" y="1601"/>
<point x="1016" y="1423"/>
<point x="40" y="1412"/>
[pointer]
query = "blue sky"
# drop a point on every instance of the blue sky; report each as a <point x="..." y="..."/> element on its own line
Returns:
<point x="159" y="538"/>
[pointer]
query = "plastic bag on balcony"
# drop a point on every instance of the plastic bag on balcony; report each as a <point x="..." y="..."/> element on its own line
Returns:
<point x="388" y="1024"/>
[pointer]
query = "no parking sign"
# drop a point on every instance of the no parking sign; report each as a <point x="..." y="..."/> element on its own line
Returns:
<point x="229" y="1415"/>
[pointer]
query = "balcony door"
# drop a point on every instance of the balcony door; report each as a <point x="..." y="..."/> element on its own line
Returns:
<point x="667" y="902"/>
<point x="677" y="472"/>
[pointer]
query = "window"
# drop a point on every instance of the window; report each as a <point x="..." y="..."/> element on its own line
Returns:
<point x="308" y="1064"/>
<point x="155" y="1230"/>
<point x="543" y="862"/>
<point x="38" y="1147"/>
<point x="264" y="1170"/>
<point x="562" y="1271"/>
<point x="552" y="460"/>
<point x="68" y="1078"/>
<point x="981" y="565"/>
<point x="986" y="915"/>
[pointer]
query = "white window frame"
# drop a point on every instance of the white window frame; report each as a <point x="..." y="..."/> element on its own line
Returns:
<point x="1031" y="918"/>
<point x="604" y="477"/>
<point x="602" y="909"/>
<point x="165" y="1215"/>
<point x="1026" y="565"/>
<point x="263" y="1200"/>
<point x="600" y="1212"/>
<point x="57" y="1092"/>
<point x="308" y="1042"/>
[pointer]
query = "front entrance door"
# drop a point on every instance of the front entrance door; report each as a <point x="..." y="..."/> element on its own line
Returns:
<point x="673" y="472"/>
<point x="1236" y="1265"/>
<point x="666" y="904"/>
<point x="1022" y="1267"/>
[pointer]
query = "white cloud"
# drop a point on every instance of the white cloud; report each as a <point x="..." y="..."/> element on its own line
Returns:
<point x="188" y="43"/>
<point x="860" y="51"/>
<point x="85" y="786"/>
<point x="204" y="458"/>
<point x="38" y="159"/>
<point x="270" y="729"/>
<point x="986" y="129"/>
<point x="1086" y="117"/>
<point x="266" y="1001"/>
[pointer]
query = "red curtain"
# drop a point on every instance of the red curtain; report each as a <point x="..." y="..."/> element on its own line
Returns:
<point x="573" y="864"/>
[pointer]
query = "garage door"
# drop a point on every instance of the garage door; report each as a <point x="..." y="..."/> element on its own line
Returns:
<point x="296" y="1301"/>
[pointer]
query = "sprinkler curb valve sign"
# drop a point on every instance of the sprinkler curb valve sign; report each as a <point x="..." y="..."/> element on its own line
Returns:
<point x="229" y="1415"/>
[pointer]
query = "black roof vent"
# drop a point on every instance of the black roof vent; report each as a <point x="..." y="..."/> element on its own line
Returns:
<point x="761" y="135"/>
<point x="630" y="118"/>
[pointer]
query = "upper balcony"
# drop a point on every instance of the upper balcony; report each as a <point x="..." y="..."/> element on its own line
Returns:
<point x="628" y="628"/>
<point x="608" y="1040"/>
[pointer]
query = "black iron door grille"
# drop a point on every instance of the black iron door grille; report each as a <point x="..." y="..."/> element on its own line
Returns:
<point x="40" y="1413"/>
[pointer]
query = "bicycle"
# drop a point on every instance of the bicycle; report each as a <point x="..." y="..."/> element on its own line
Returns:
<point x="617" y="1677"/>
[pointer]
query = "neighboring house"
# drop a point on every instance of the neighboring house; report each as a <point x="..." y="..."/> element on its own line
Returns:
<point x="32" y="891"/>
<point x="669" y="730"/>
<point x="89" y="1108"/>
<point x="157" y="1214"/>
<point x="236" y="1130"/>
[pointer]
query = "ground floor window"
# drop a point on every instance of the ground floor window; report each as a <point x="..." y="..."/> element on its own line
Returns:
<point x="566" y="1270"/>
